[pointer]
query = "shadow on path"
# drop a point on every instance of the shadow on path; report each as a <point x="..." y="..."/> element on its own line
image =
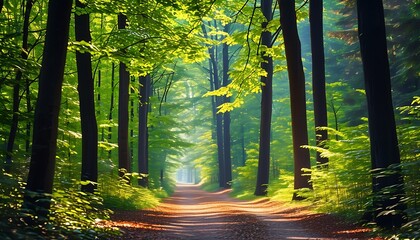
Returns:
<point x="192" y="213"/>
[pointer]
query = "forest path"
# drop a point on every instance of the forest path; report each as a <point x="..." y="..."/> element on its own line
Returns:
<point x="191" y="213"/>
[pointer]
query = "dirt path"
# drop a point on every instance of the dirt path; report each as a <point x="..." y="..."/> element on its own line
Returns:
<point x="192" y="213"/>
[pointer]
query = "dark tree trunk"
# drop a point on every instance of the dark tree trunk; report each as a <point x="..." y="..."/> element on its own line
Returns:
<point x="111" y="106"/>
<point x="87" y="105"/>
<point x="266" y="106"/>
<point x="219" y="127"/>
<point x="14" y="124"/>
<point x="131" y="125"/>
<point x="213" y="102"/>
<point x="98" y="102"/>
<point x="1" y="5"/>
<point x="382" y="130"/>
<point x="29" y="109"/>
<point x="226" y="117"/>
<point x="318" y="74"/>
<point x="219" y="118"/>
<point x="123" y="98"/>
<point x="143" y="135"/>
<point x="99" y="91"/>
<point x="243" y="145"/>
<point x="16" y="88"/>
<point x="41" y="170"/>
<point x="297" y="94"/>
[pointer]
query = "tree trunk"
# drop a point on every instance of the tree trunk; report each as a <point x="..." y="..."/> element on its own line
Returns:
<point x="143" y="135"/>
<point x="297" y="94"/>
<point x="132" y="125"/>
<point x="266" y="105"/>
<point x="243" y="145"/>
<point x="123" y="98"/>
<point x="382" y="130"/>
<point x="87" y="105"/>
<point x="16" y="89"/>
<point x="111" y="106"/>
<point x="318" y="74"/>
<point x="226" y="117"/>
<point x="29" y="123"/>
<point x="41" y="170"/>
<point x="219" y="119"/>
<point x="219" y="127"/>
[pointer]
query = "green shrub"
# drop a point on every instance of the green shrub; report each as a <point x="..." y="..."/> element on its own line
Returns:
<point x="73" y="214"/>
<point x="123" y="196"/>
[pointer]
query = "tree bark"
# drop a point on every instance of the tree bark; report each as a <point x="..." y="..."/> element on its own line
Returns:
<point x="243" y="145"/>
<point x="41" y="170"/>
<point x="87" y="105"/>
<point x="111" y="106"/>
<point x="143" y="135"/>
<point x="226" y="118"/>
<point x="219" y="119"/>
<point x="297" y="94"/>
<point x="382" y="130"/>
<point x="318" y="75"/>
<point x="266" y="105"/>
<point x="123" y="98"/>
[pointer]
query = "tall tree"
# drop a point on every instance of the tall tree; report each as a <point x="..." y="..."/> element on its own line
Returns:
<point x="123" y="98"/>
<point x="226" y="116"/>
<point x="318" y="74"/>
<point x="297" y="93"/>
<point x="143" y="134"/>
<point x="87" y="103"/>
<point x="41" y="169"/>
<point x="111" y="106"/>
<point x="219" y="120"/>
<point x="16" y="87"/>
<point x="215" y="84"/>
<point x="266" y="103"/>
<point x="387" y="187"/>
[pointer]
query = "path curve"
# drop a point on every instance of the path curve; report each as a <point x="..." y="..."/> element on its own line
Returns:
<point x="191" y="213"/>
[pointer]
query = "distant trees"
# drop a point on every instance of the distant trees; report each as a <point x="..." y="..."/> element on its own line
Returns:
<point x="41" y="170"/>
<point x="388" y="189"/>
<point x="17" y="86"/>
<point x="219" y="118"/>
<point x="222" y="122"/>
<point x="240" y="47"/>
<point x="297" y="94"/>
<point x="226" y="116"/>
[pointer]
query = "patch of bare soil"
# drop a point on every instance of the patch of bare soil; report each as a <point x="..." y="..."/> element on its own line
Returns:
<point x="192" y="213"/>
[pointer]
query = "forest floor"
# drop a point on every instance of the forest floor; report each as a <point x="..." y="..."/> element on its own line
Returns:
<point x="191" y="213"/>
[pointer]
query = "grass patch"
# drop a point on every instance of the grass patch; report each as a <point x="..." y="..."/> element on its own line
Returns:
<point x="210" y="187"/>
<point x="120" y="195"/>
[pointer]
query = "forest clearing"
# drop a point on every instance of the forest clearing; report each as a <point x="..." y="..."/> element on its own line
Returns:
<point x="220" y="119"/>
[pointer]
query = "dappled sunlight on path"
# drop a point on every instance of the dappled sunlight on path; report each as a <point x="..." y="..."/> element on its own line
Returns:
<point x="192" y="213"/>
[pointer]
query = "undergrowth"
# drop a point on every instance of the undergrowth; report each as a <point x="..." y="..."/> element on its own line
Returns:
<point x="210" y="187"/>
<point x="73" y="214"/>
<point x="122" y="195"/>
<point x="344" y="187"/>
